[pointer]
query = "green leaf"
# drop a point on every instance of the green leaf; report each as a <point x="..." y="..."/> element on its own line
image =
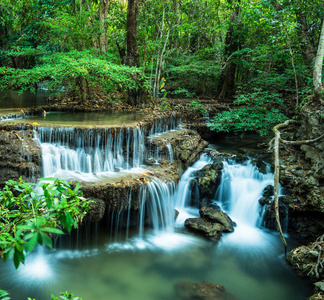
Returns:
<point x="47" y="240"/>
<point x="53" y="230"/>
<point x="31" y="244"/>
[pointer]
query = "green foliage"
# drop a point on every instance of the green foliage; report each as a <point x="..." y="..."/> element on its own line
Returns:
<point x="259" y="114"/>
<point x="192" y="75"/>
<point x="4" y="295"/>
<point x="69" y="69"/>
<point x="197" y="107"/>
<point x="165" y="105"/>
<point x="183" y="92"/>
<point x="66" y="296"/>
<point x="31" y="214"/>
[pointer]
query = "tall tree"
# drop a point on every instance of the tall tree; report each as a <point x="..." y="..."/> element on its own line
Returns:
<point x="232" y="44"/>
<point x="132" y="56"/>
<point x="103" y="14"/>
<point x="317" y="74"/>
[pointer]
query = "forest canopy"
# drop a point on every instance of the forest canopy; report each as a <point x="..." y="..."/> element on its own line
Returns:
<point x="228" y="50"/>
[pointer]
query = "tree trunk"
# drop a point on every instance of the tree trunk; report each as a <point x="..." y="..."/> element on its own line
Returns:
<point x="317" y="74"/>
<point x="103" y="13"/>
<point x="232" y="44"/>
<point x="307" y="46"/>
<point x="132" y="57"/>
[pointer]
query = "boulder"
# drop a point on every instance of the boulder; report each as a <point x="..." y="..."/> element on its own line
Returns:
<point x="218" y="216"/>
<point x="186" y="290"/>
<point x="308" y="260"/>
<point x="96" y="211"/>
<point x="20" y="155"/>
<point x="208" y="228"/>
<point x="268" y="191"/>
<point x="208" y="179"/>
<point x="187" y="145"/>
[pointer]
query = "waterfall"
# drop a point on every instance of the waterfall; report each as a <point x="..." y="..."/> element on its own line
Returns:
<point x="183" y="193"/>
<point x="163" y="125"/>
<point x="76" y="150"/>
<point x="240" y="189"/>
<point x="160" y="206"/>
<point x="169" y="146"/>
<point x="80" y="153"/>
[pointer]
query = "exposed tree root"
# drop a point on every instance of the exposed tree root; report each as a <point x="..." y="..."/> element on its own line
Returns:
<point x="275" y="144"/>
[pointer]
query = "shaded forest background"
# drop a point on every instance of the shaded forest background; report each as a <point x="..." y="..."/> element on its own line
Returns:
<point x="256" y="54"/>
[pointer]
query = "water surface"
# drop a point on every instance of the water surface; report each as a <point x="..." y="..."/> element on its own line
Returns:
<point x="85" y="119"/>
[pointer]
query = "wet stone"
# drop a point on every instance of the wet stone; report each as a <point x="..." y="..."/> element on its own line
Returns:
<point x="186" y="290"/>
<point x="216" y="215"/>
<point x="209" y="229"/>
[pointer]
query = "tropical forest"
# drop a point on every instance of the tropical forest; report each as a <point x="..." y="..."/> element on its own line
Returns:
<point x="154" y="150"/>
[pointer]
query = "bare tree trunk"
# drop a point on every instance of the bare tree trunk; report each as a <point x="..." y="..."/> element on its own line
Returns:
<point x="317" y="74"/>
<point x="276" y="141"/>
<point x="277" y="6"/>
<point x="103" y="13"/>
<point x="276" y="183"/>
<point x="232" y="44"/>
<point x="132" y="57"/>
<point x="308" y="48"/>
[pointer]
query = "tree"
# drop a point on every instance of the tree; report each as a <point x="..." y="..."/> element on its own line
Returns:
<point x="132" y="56"/>
<point x="317" y="74"/>
<point x="232" y="44"/>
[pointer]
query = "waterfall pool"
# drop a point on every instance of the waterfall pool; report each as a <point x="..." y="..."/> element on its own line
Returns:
<point x="101" y="262"/>
<point x="94" y="265"/>
<point x="149" y="269"/>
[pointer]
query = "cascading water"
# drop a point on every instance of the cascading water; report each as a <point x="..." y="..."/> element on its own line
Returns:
<point x="240" y="189"/>
<point x="169" y="146"/>
<point x="163" y="125"/>
<point x="159" y="197"/>
<point x="71" y="150"/>
<point x="184" y="189"/>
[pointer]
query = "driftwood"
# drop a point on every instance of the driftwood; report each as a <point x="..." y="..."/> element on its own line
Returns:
<point x="275" y="144"/>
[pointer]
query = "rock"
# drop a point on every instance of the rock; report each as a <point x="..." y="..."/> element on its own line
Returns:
<point x="268" y="191"/>
<point x="96" y="211"/>
<point x="210" y="229"/>
<point x="186" y="290"/>
<point x="305" y="259"/>
<point x="208" y="179"/>
<point x="265" y="200"/>
<point x="218" y="216"/>
<point x="319" y="286"/>
<point x="187" y="145"/>
<point x="176" y="214"/>
<point x="20" y="155"/>
<point x="269" y="218"/>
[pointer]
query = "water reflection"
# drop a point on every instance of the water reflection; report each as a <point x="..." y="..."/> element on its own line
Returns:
<point x="13" y="99"/>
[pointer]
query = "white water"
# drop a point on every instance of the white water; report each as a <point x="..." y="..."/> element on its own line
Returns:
<point x="80" y="153"/>
<point x="240" y="189"/>
<point x="184" y="189"/>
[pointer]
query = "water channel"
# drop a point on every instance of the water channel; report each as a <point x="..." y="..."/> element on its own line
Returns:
<point x="145" y="264"/>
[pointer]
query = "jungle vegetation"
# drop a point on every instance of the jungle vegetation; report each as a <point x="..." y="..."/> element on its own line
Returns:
<point x="262" y="57"/>
<point x="255" y="54"/>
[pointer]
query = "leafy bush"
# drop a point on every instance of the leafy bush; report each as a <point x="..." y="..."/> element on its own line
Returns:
<point x="197" y="107"/>
<point x="69" y="69"/>
<point x="31" y="214"/>
<point x="259" y="113"/>
<point x="192" y="75"/>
